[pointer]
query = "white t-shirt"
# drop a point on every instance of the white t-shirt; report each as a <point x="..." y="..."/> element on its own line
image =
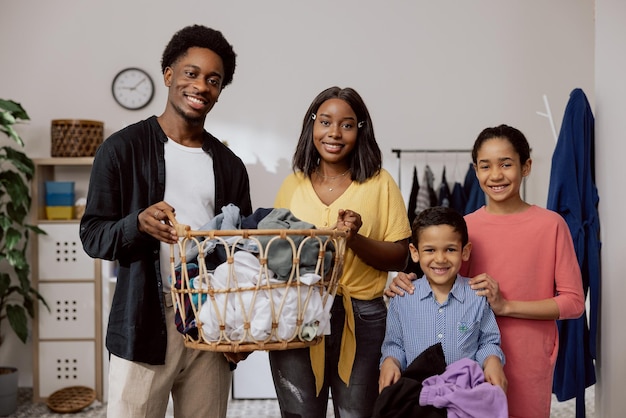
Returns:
<point x="189" y="189"/>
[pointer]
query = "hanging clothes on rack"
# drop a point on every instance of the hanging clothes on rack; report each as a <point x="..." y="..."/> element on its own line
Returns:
<point x="573" y="194"/>
<point x="415" y="185"/>
<point x="461" y="193"/>
<point x="426" y="195"/>
<point x="475" y="195"/>
<point x="445" y="197"/>
<point x="459" y="199"/>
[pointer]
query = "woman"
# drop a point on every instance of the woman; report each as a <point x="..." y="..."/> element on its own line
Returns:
<point x="338" y="178"/>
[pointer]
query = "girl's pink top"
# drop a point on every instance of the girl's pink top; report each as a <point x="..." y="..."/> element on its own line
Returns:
<point x="531" y="255"/>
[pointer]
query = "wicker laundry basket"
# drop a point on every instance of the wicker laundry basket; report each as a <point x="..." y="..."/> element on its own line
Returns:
<point x="219" y="307"/>
<point x="75" y="137"/>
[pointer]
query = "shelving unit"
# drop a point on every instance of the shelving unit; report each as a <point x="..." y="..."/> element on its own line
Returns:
<point x="67" y="340"/>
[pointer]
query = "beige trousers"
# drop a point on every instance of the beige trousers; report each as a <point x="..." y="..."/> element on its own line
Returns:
<point x="199" y="381"/>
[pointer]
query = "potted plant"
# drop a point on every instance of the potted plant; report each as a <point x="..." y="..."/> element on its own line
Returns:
<point x="17" y="296"/>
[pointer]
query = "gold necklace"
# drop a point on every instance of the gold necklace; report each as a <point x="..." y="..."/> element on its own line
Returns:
<point x="317" y="171"/>
<point x="342" y="175"/>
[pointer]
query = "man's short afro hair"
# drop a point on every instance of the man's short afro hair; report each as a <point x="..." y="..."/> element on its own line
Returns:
<point x="202" y="37"/>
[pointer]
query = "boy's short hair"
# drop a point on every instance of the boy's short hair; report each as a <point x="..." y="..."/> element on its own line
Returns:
<point x="201" y="37"/>
<point x="439" y="215"/>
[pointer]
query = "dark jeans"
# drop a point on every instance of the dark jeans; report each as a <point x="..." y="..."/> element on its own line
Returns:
<point x="294" y="380"/>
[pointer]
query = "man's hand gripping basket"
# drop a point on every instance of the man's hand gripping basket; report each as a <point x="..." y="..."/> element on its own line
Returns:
<point x="254" y="289"/>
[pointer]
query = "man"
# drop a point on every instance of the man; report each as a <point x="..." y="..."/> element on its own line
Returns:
<point x="163" y="163"/>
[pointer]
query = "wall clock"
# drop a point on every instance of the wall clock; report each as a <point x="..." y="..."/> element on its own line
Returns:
<point x="133" y="88"/>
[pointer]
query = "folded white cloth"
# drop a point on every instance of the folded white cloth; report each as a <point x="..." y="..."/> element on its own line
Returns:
<point x="235" y="308"/>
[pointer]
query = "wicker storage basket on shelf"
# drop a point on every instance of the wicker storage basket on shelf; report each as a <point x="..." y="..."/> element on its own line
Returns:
<point x="75" y="137"/>
<point x="238" y="305"/>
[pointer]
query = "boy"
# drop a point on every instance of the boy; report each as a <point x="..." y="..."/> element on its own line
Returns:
<point x="443" y="309"/>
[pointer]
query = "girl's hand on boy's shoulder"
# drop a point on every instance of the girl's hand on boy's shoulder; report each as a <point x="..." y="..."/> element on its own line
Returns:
<point x="485" y="285"/>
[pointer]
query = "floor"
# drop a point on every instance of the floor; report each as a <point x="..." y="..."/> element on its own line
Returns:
<point x="249" y="408"/>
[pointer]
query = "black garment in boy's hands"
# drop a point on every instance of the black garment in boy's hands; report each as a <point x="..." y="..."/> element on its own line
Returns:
<point x="401" y="400"/>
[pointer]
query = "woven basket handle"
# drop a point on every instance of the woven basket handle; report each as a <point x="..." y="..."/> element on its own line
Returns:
<point x="181" y="229"/>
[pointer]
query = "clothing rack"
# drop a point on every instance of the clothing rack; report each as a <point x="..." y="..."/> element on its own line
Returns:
<point x="399" y="152"/>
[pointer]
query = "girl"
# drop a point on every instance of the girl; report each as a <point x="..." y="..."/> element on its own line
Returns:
<point x="338" y="178"/>
<point x="523" y="261"/>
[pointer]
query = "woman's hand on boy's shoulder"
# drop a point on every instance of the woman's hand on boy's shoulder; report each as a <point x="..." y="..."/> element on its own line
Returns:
<point x="400" y="284"/>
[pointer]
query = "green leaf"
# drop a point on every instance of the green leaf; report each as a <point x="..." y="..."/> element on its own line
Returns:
<point x="16" y="187"/>
<point x="36" y="229"/>
<point x="12" y="239"/>
<point x="10" y="113"/>
<point x="18" y="211"/>
<point x="23" y="272"/>
<point x="16" y="259"/>
<point x="17" y="318"/>
<point x="14" y="108"/>
<point x="21" y="161"/>
<point x="29" y="302"/>
<point x="17" y="297"/>
<point x="6" y="118"/>
<point x="5" y="282"/>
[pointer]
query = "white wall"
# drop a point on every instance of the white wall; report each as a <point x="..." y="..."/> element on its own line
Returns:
<point x="434" y="73"/>
<point x="610" y="88"/>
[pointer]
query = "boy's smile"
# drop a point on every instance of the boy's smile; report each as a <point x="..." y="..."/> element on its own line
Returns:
<point x="440" y="254"/>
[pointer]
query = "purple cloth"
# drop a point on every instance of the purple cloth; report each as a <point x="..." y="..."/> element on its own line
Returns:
<point x="462" y="390"/>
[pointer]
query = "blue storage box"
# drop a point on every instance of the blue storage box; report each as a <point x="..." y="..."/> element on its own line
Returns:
<point x="59" y="193"/>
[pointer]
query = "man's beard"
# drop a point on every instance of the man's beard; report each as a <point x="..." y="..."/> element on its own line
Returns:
<point x="191" y="120"/>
